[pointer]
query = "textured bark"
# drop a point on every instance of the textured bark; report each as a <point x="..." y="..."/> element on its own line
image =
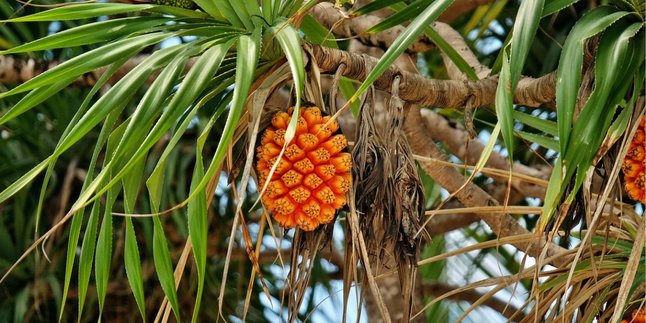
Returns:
<point x="349" y="26"/>
<point x="354" y="27"/>
<point x="457" y="42"/>
<point x="418" y="90"/>
<point x="414" y="88"/>
<point x="472" y="195"/>
<point x="531" y="92"/>
<point x="456" y="141"/>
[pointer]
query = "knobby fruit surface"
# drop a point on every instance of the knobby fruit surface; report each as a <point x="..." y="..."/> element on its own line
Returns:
<point x="634" y="165"/>
<point x="313" y="175"/>
<point x="637" y="316"/>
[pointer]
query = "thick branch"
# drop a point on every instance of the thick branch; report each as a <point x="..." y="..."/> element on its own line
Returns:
<point x="457" y="42"/>
<point x="355" y="27"/>
<point x="472" y="195"/>
<point x="414" y="88"/>
<point x="456" y="141"/>
<point x="444" y="223"/>
<point x="446" y="176"/>
<point x="419" y="90"/>
<point x="349" y="26"/>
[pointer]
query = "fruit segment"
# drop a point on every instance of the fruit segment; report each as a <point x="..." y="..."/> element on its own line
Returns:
<point x="634" y="165"/>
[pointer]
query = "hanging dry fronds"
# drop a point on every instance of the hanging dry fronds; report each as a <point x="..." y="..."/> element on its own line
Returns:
<point x="389" y="193"/>
<point x="408" y="199"/>
<point x="369" y="168"/>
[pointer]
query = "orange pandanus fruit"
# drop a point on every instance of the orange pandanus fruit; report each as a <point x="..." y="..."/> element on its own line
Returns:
<point x="313" y="175"/>
<point x="638" y="316"/>
<point x="634" y="165"/>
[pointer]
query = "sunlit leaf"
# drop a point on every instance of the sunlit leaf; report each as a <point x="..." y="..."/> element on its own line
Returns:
<point x="87" y="256"/>
<point x="89" y="61"/>
<point x="411" y="11"/>
<point x="81" y="11"/>
<point x="291" y="44"/>
<point x="413" y="30"/>
<point x="523" y="33"/>
<point x="89" y="34"/>
<point x="569" y="72"/>
<point x="164" y="266"/>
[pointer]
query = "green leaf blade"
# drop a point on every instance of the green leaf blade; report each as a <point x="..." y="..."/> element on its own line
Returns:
<point x="164" y="266"/>
<point x="89" y="34"/>
<point x="89" y="61"/>
<point x="87" y="255"/>
<point x="132" y="263"/>
<point x="82" y="11"/>
<point x="416" y="27"/>
<point x="569" y="71"/>
<point x="290" y="42"/>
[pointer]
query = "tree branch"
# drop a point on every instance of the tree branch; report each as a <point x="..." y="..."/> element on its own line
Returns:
<point x="418" y="90"/>
<point x="355" y="27"/>
<point x="472" y="195"/>
<point x="456" y="139"/>
<point x="414" y="88"/>
<point x="357" y="67"/>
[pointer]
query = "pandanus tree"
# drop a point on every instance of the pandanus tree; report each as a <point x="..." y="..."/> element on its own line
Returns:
<point x="233" y="159"/>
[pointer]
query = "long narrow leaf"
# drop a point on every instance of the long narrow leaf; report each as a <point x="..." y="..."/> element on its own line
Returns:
<point x="118" y="95"/>
<point x="210" y="7"/>
<point x="225" y="8"/>
<point x="451" y="53"/>
<point x="77" y="220"/>
<point x="569" y="71"/>
<point x="89" y="61"/>
<point x="401" y="43"/>
<point x="552" y="6"/>
<point x="247" y="58"/>
<point x="34" y="98"/>
<point x="164" y="266"/>
<point x="81" y="11"/>
<point x="198" y="228"/>
<point x="611" y="84"/>
<point x="505" y="106"/>
<point x="132" y="263"/>
<point x="539" y="123"/>
<point x="412" y="10"/>
<point x="524" y="30"/>
<point x="374" y="6"/>
<point x="291" y="44"/>
<point x="87" y="255"/>
<point x="103" y="258"/>
<point x="89" y="34"/>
